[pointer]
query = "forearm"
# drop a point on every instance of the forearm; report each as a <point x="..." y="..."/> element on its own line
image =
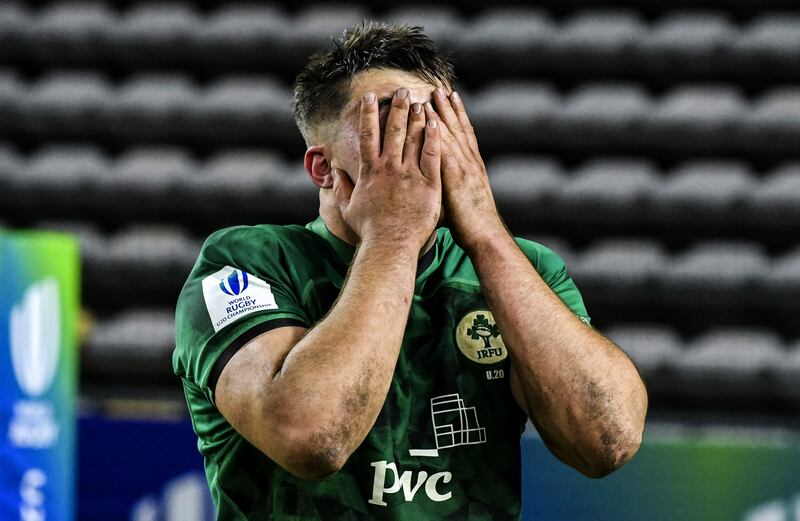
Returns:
<point x="334" y="381"/>
<point x="581" y="389"/>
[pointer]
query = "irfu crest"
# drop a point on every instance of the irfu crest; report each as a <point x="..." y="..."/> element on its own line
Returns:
<point x="479" y="339"/>
<point x="483" y="329"/>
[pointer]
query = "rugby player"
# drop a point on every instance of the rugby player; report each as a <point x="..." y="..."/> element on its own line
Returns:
<point x="375" y="364"/>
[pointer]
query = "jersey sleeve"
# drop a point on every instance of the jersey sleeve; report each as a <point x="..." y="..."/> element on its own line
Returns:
<point x="243" y="284"/>
<point x="554" y="272"/>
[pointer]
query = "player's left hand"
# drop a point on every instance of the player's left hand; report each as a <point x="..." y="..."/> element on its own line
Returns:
<point x="469" y="206"/>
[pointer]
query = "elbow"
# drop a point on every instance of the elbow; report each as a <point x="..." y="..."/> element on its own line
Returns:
<point x="315" y="457"/>
<point x="610" y="453"/>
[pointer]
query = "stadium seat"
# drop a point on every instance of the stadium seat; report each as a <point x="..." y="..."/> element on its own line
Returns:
<point x="599" y="115"/>
<point x="781" y="284"/>
<point x="152" y="107"/>
<point x="11" y="175"/>
<point x="145" y="182"/>
<point x="772" y="124"/>
<point x="70" y="33"/>
<point x="14" y="22"/>
<point x="620" y="271"/>
<point x="153" y="35"/>
<point x="441" y="23"/>
<point x="695" y="119"/>
<point x="693" y="44"/>
<point x="505" y="40"/>
<point x="787" y="372"/>
<point x="776" y="199"/>
<point x="66" y="105"/>
<point x="769" y="45"/>
<point x="314" y="27"/>
<point x="597" y="40"/>
<point x="703" y="193"/>
<point x="12" y="91"/>
<point x="714" y="273"/>
<point x="513" y="114"/>
<point x="561" y="247"/>
<point x="295" y="199"/>
<point x="653" y="348"/>
<point x="524" y="187"/>
<point x="730" y="362"/>
<point x="243" y="36"/>
<point x="133" y="346"/>
<point x="241" y="109"/>
<point x="608" y="190"/>
<point x="62" y="178"/>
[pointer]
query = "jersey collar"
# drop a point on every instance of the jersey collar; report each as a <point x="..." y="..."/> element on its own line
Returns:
<point x="345" y="252"/>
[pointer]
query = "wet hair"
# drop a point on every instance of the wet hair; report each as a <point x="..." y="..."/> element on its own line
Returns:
<point x="321" y="90"/>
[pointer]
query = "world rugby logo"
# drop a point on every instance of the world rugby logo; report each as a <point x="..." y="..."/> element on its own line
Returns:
<point x="35" y="336"/>
<point x="235" y="283"/>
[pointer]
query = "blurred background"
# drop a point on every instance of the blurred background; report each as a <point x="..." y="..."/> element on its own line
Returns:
<point x="654" y="146"/>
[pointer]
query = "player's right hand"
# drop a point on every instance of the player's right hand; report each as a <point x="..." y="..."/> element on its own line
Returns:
<point x="398" y="194"/>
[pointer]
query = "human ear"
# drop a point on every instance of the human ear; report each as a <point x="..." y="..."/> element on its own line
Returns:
<point x="317" y="167"/>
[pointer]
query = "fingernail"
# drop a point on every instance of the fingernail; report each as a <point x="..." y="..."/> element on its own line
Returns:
<point x="416" y="108"/>
<point x="402" y="93"/>
<point x="369" y="97"/>
<point x="456" y="97"/>
<point x="432" y="123"/>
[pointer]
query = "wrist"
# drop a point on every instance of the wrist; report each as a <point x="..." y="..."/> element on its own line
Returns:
<point x="485" y="237"/>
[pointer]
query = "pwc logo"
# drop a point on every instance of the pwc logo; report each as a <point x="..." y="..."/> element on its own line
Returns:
<point x="35" y="336"/>
<point x="235" y="283"/>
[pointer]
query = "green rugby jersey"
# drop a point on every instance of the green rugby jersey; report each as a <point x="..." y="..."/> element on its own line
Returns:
<point x="446" y="444"/>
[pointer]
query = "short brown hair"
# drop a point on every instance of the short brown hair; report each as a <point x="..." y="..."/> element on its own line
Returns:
<point x="320" y="90"/>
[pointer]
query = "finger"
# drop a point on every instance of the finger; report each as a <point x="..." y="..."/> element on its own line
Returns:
<point x="395" y="134"/>
<point x="464" y="122"/>
<point x="451" y="151"/>
<point x="430" y="162"/>
<point x="342" y="188"/>
<point x="414" y="134"/>
<point x="369" y="129"/>
<point x="447" y="114"/>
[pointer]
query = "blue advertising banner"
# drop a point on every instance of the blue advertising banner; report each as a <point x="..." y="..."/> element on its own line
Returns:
<point x="38" y="375"/>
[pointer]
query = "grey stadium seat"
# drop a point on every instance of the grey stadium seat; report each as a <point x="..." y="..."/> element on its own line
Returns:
<point x="12" y="172"/>
<point x="608" y="190"/>
<point x="236" y="183"/>
<point x="314" y="26"/>
<point x="63" y="178"/>
<point x="512" y="114"/>
<point x="443" y="24"/>
<point x="696" y="118"/>
<point x="597" y="40"/>
<point x="602" y="114"/>
<point x="15" y="22"/>
<point x="653" y="348"/>
<point x="787" y="372"/>
<point x="151" y="107"/>
<point x="12" y="96"/>
<point x="153" y="34"/>
<point x="524" y="187"/>
<point x="240" y="108"/>
<point x="769" y="44"/>
<point x="136" y="344"/>
<point x="782" y="283"/>
<point x="508" y="40"/>
<point x="622" y="271"/>
<point x="718" y="273"/>
<point x="776" y="199"/>
<point x="70" y="33"/>
<point x="703" y="192"/>
<point x="730" y="362"/>
<point x="773" y="122"/>
<point x="688" y="43"/>
<point x="243" y="36"/>
<point x="146" y="182"/>
<point x="150" y="260"/>
<point x="67" y="104"/>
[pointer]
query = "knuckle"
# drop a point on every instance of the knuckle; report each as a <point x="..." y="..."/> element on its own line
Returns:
<point x="366" y="133"/>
